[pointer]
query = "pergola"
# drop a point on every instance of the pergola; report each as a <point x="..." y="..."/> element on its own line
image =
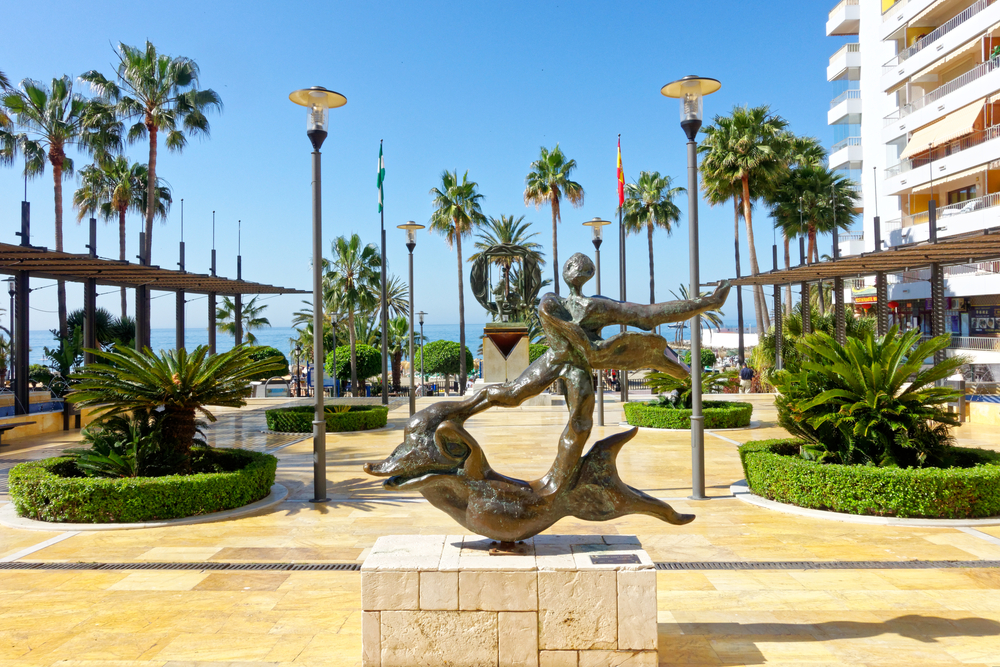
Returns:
<point x="933" y="254"/>
<point x="26" y="261"/>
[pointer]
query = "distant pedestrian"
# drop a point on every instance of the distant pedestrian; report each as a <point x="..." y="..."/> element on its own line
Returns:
<point x="746" y="378"/>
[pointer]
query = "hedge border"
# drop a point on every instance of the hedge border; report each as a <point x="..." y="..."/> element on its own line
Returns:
<point x="774" y="471"/>
<point x="298" y="419"/>
<point x="718" y="414"/>
<point x="38" y="492"/>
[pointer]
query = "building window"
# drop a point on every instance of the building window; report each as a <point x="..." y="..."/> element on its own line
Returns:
<point x="964" y="194"/>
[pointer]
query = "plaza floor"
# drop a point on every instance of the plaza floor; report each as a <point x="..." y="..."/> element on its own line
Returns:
<point x="938" y="615"/>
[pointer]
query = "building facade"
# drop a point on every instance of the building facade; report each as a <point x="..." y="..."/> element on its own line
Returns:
<point x="916" y="119"/>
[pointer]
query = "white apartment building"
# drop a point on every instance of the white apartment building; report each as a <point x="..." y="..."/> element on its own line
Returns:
<point x="916" y="117"/>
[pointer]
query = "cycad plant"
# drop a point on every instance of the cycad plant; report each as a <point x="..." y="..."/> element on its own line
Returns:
<point x="870" y="401"/>
<point x="125" y="446"/>
<point x="711" y="383"/>
<point x="179" y="382"/>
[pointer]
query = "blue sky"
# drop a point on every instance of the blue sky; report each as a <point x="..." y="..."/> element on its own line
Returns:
<point x="475" y="86"/>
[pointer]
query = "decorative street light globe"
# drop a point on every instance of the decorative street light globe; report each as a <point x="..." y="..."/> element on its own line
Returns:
<point x="691" y="91"/>
<point x="597" y="226"/>
<point x="318" y="101"/>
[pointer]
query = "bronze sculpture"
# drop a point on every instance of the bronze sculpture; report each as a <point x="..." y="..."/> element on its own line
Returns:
<point x="442" y="461"/>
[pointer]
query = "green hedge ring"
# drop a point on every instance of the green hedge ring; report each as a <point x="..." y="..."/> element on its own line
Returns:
<point x="299" y="419"/>
<point x="774" y="471"/>
<point x="718" y="414"/>
<point x="54" y="490"/>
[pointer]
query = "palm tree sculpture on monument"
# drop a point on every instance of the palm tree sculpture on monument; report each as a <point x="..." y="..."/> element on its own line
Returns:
<point x="649" y="203"/>
<point x="114" y="186"/>
<point x="507" y="230"/>
<point x="351" y="284"/>
<point x="456" y="212"/>
<point x="547" y="183"/>
<point x="748" y="147"/>
<point x="53" y="119"/>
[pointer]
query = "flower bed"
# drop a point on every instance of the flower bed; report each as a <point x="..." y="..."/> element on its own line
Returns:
<point x="299" y="419"/>
<point x="55" y="490"/>
<point x="718" y="414"/>
<point x="775" y="471"/>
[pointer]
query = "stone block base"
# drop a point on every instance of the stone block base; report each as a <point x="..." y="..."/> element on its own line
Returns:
<point x="573" y="600"/>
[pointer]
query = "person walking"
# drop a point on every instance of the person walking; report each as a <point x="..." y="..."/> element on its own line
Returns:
<point x="746" y="378"/>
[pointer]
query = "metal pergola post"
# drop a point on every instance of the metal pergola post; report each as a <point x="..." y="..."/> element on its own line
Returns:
<point x="238" y="305"/>
<point x="179" y="309"/>
<point x="881" y="303"/>
<point x="937" y="307"/>
<point x="141" y="301"/>
<point x="211" y="303"/>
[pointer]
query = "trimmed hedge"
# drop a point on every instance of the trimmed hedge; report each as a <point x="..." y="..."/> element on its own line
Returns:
<point x="774" y="471"/>
<point x="55" y="490"/>
<point x="299" y="419"/>
<point x="718" y="414"/>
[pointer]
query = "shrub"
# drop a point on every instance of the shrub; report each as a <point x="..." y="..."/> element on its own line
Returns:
<point x="718" y="414"/>
<point x="441" y="357"/>
<point x="711" y="383"/>
<point x="535" y="350"/>
<point x="262" y="352"/>
<point x="707" y="357"/>
<point x="299" y="419"/>
<point x="850" y="405"/>
<point x="368" y="359"/>
<point x="127" y="446"/>
<point x="56" y="490"/>
<point x="774" y="470"/>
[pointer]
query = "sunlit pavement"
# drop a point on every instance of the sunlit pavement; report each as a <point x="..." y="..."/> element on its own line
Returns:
<point x="934" y="616"/>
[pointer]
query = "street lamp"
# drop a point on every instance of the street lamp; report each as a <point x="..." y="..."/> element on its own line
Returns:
<point x="411" y="243"/>
<point x="423" y="379"/>
<point x="318" y="101"/>
<point x="691" y="91"/>
<point x="597" y="227"/>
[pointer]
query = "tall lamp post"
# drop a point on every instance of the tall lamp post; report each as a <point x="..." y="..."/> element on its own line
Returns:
<point x="597" y="226"/>
<point x="318" y="101"/>
<point x="411" y="243"/>
<point x="423" y="380"/>
<point x="691" y="91"/>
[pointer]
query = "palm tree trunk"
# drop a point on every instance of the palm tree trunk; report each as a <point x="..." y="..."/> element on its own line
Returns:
<point x="150" y="189"/>
<point x="555" y="245"/>
<point x="397" y="357"/>
<point x="121" y="255"/>
<point x="179" y="427"/>
<point x="461" y="320"/>
<point x="763" y="321"/>
<point x="352" y="337"/>
<point x="788" y="288"/>
<point x="812" y="246"/>
<point x="652" y="287"/>
<point x="57" y="173"/>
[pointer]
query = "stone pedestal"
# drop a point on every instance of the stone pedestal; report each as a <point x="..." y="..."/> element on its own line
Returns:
<point x="505" y="351"/>
<point x="575" y="600"/>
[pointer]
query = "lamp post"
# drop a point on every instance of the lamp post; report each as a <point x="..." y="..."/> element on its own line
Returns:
<point x="318" y="101"/>
<point x="597" y="227"/>
<point x="691" y="91"/>
<point x="411" y="243"/>
<point x="423" y="380"/>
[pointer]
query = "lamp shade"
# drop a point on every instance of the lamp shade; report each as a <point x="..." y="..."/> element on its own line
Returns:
<point x="690" y="91"/>
<point x="318" y="101"/>
<point x="411" y="231"/>
<point x="597" y="226"/>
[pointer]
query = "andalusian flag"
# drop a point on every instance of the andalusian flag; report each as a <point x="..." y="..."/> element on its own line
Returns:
<point x="621" y="175"/>
<point x="381" y="175"/>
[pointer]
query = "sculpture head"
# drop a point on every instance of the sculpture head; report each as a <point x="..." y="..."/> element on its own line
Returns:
<point x="577" y="270"/>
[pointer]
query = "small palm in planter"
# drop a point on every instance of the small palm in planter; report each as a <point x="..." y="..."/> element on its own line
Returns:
<point x="180" y="383"/>
<point x="711" y="383"/>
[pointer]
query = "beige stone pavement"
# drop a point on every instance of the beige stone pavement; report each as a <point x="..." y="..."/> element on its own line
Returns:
<point x="706" y="618"/>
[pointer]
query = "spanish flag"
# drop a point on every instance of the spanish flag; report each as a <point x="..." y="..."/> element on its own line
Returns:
<point x="621" y="175"/>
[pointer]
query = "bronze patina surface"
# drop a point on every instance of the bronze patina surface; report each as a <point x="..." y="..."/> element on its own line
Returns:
<point x="442" y="461"/>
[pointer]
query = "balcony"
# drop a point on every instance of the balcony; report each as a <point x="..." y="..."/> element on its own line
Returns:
<point x="897" y="16"/>
<point x="923" y="45"/>
<point x="848" y="103"/>
<point x="967" y="216"/>
<point x="847" y="56"/>
<point x="851" y="243"/>
<point x="845" y="18"/>
<point x="845" y="152"/>
<point x="953" y="157"/>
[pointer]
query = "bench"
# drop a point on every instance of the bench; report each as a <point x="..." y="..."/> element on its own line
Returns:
<point x="6" y="427"/>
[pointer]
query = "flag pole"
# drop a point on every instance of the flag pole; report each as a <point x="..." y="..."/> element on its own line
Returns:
<point x="622" y="372"/>
<point x="385" y="305"/>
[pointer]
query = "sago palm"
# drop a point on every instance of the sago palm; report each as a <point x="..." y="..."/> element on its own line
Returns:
<point x="649" y="204"/>
<point x="352" y="278"/>
<point x="457" y="211"/>
<point x="251" y="318"/>
<point x="179" y="382"/>
<point x="547" y="183"/>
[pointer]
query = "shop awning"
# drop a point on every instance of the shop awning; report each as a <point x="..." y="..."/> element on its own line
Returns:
<point x="950" y="127"/>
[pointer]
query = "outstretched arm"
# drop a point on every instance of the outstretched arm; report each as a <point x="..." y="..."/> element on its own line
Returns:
<point x="648" y="317"/>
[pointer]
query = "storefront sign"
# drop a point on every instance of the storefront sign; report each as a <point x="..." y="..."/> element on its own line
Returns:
<point x="865" y="295"/>
<point x="984" y="320"/>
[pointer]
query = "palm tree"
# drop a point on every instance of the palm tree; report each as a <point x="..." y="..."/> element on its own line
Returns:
<point x="160" y="93"/>
<point x="178" y="382"/>
<point x="399" y="342"/>
<point x="749" y="147"/>
<point x="507" y="230"/>
<point x="112" y="187"/>
<point x="4" y="87"/>
<point x="711" y="316"/>
<point x="456" y="212"/>
<point x="250" y="316"/>
<point x="547" y="183"/>
<point x="352" y="280"/>
<point x="53" y="119"/>
<point x="649" y="203"/>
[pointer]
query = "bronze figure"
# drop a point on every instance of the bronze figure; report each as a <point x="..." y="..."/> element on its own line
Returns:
<point x="442" y="461"/>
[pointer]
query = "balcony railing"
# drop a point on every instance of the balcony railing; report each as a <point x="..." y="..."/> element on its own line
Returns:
<point x="937" y="34"/>
<point x="844" y="143"/>
<point x="978" y="269"/>
<point x="977" y="72"/>
<point x="951" y="211"/>
<point x="981" y="343"/>
<point x="944" y="150"/>
<point x="842" y="3"/>
<point x="846" y="95"/>
<point x="851" y="236"/>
